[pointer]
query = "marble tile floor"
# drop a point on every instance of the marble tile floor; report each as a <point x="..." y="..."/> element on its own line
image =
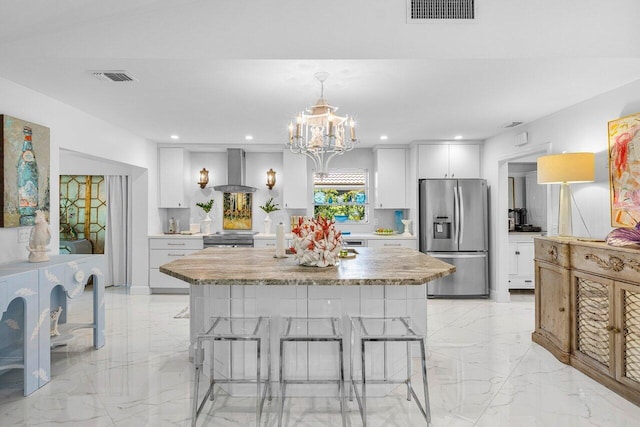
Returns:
<point x="483" y="371"/>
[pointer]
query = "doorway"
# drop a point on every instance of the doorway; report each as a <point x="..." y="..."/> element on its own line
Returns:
<point x="502" y="233"/>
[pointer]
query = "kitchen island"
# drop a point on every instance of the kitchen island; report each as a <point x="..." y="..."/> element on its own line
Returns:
<point x="251" y="282"/>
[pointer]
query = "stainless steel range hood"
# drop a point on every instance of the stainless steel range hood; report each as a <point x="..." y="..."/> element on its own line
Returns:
<point x="235" y="173"/>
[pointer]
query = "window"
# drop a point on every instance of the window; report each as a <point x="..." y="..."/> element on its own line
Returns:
<point x="341" y="195"/>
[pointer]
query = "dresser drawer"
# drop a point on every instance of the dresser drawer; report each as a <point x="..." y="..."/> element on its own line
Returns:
<point x="606" y="261"/>
<point x="176" y="243"/>
<point x="552" y="251"/>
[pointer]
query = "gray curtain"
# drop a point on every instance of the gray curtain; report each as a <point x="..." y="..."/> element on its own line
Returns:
<point x="117" y="233"/>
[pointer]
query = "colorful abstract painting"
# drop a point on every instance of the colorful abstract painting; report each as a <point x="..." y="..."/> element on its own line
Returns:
<point x="624" y="170"/>
<point x="236" y="211"/>
<point x="24" y="178"/>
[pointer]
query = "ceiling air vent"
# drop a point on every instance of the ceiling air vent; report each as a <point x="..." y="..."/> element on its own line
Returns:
<point x="118" y="76"/>
<point x="512" y="125"/>
<point x="438" y="10"/>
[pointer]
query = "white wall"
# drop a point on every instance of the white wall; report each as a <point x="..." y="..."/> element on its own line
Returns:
<point x="74" y="130"/>
<point x="582" y="127"/>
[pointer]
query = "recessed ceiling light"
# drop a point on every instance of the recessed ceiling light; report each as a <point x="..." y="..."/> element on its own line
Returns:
<point x="383" y="137"/>
<point x="175" y="137"/>
<point x="457" y="137"/>
<point x="248" y="137"/>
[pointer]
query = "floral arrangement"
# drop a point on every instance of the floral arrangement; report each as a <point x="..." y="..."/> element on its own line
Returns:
<point x="206" y="207"/>
<point x="316" y="242"/>
<point x="270" y="206"/>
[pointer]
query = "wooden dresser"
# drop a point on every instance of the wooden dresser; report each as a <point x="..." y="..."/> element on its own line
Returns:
<point x="588" y="309"/>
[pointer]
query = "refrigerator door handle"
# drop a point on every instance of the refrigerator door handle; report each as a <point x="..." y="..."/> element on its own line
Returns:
<point x="456" y="215"/>
<point x="460" y="216"/>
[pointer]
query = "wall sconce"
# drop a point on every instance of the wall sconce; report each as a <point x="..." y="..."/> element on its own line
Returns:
<point x="204" y="178"/>
<point x="271" y="178"/>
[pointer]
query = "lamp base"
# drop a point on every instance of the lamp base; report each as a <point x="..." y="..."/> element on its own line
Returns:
<point x="564" y="212"/>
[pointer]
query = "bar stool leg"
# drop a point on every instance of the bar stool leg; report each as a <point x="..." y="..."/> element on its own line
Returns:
<point x="353" y="384"/>
<point x="427" y="406"/>
<point x="268" y="346"/>
<point x="364" y="385"/>
<point x="198" y="367"/>
<point x="409" y="371"/>
<point x="212" y="377"/>
<point x="282" y="384"/>
<point x="258" y="395"/>
<point x="341" y="385"/>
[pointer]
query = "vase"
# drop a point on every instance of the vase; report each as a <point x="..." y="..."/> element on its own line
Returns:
<point x="267" y="224"/>
<point x="407" y="224"/>
<point x="206" y="224"/>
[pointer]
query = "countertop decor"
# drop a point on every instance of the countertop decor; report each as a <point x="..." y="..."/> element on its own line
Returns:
<point x="316" y="242"/>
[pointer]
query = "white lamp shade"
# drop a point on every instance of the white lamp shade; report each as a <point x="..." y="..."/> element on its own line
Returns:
<point x="567" y="167"/>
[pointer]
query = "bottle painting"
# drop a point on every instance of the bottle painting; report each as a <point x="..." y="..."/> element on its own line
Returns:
<point x="27" y="181"/>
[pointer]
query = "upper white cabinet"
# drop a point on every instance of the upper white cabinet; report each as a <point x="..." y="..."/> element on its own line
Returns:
<point x="390" y="178"/>
<point x="295" y="194"/>
<point x="449" y="161"/>
<point x="173" y="167"/>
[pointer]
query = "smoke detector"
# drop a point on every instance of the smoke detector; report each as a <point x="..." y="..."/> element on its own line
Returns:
<point x="114" y="76"/>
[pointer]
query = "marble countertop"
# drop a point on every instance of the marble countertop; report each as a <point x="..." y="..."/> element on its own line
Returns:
<point x="250" y="266"/>
<point x="368" y="236"/>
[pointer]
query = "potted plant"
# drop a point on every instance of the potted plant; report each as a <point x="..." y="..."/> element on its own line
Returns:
<point x="269" y="207"/>
<point x="206" y="222"/>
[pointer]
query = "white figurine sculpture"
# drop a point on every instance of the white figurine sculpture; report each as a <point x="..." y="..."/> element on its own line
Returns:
<point x="39" y="239"/>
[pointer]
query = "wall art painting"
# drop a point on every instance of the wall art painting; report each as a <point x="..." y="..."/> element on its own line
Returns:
<point x="236" y="211"/>
<point x="24" y="177"/>
<point x="624" y="170"/>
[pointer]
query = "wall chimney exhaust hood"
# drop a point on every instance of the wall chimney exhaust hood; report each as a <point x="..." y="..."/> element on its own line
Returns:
<point x="235" y="173"/>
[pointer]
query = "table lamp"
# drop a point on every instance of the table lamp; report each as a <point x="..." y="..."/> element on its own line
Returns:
<point x="564" y="169"/>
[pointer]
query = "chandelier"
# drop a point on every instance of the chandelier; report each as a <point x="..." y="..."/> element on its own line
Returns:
<point x="320" y="134"/>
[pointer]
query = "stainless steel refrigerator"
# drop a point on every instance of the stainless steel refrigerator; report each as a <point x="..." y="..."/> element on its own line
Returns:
<point x="454" y="227"/>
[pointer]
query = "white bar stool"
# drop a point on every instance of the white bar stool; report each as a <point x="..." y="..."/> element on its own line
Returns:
<point x="386" y="329"/>
<point x="311" y="329"/>
<point x="248" y="329"/>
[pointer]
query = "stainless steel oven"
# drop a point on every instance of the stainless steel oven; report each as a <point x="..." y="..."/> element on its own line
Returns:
<point x="227" y="239"/>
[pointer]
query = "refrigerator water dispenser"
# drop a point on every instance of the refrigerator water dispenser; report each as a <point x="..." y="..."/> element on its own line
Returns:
<point x="441" y="227"/>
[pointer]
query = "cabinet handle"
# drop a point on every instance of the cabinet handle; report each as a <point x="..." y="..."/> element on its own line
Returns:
<point x="453" y="175"/>
<point x="445" y="175"/>
<point x="176" y="244"/>
<point x="270" y="244"/>
<point x="613" y="329"/>
<point x="517" y="253"/>
<point x="176" y="254"/>
<point x="393" y="244"/>
<point x="561" y="309"/>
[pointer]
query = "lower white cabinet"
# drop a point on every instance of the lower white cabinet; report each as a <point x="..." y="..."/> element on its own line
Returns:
<point x="391" y="243"/>
<point x="165" y="250"/>
<point x="264" y="243"/>
<point x="521" y="266"/>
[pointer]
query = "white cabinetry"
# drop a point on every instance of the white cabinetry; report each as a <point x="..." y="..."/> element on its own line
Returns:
<point x="165" y="250"/>
<point x="390" y="178"/>
<point x="173" y="167"/>
<point x="295" y="194"/>
<point x="264" y="243"/>
<point x="390" y="243"/>
<point x="521" y="266"/>
<point x="449" y="161"/>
